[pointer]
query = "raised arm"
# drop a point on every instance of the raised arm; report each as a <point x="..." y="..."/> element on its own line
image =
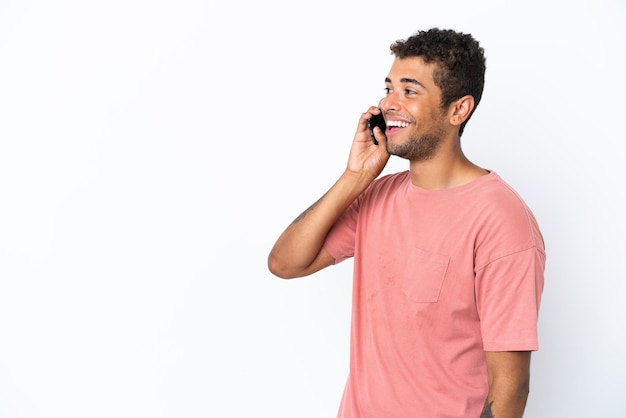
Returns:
<point x="299" y="249"/>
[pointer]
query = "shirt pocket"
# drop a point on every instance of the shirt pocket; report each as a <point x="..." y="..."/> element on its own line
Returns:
<point x="423" y="275"/>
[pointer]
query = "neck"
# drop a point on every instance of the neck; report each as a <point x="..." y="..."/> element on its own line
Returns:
<point x="444" y="171"/>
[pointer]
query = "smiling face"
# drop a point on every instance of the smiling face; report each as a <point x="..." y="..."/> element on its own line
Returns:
<point x="416" y="123"/>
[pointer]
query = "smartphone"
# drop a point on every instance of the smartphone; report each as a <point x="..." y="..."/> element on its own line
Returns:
<point x="376" y="120"/>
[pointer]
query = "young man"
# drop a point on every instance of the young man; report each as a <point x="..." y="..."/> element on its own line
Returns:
<point x="448" y="259"/>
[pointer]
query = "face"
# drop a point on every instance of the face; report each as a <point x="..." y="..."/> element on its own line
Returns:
<point x="412" y="108"/>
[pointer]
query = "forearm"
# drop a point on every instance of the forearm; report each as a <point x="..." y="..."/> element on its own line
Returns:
<point x="505" y="404"/>
<point x="298" y="247"/>
<point x="509" y="380"/>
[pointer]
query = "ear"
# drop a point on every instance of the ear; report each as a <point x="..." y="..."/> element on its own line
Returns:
<point x="460" y="110"/>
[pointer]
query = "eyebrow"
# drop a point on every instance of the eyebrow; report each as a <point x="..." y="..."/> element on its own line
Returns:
<point x="407" y="80"/>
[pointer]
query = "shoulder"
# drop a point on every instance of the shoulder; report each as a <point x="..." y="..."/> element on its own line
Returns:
<point x="384" y="189"/>
<point x="389" y="182"/>
<point x="501" y="195"/>
<point x="505" y="211"/>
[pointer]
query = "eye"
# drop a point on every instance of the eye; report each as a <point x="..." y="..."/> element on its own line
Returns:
<point x="387" y="90"/>
<point x="410" y="92"/>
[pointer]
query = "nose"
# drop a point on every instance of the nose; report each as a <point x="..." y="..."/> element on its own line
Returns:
<point x="389" y="102"/>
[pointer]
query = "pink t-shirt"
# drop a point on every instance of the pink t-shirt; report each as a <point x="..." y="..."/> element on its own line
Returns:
<point x="439" y="278"/>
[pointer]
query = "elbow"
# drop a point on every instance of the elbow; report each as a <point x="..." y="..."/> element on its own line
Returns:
<point x="279" y="269"/>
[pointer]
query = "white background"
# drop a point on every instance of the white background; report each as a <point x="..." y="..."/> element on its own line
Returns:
<point x="152" y="151"/>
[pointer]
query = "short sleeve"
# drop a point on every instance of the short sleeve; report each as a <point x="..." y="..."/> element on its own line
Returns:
<point x="508" y="297"/>
<point x="340" y="240"/>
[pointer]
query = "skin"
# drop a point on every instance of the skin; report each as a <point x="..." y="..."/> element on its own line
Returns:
<point x="509" y="378"/>
<point x="412" y="96"/>
<point x="431" y="143"/>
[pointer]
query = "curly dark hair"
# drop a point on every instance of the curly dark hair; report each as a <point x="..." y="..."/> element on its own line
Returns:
<point x="459" y="59"/>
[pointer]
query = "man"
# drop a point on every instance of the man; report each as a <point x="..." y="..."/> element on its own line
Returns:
<point x="448" y="259"/>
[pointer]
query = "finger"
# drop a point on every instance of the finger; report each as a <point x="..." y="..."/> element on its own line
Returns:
<point x="380" y="136"/>
<point x="375" y="110"/>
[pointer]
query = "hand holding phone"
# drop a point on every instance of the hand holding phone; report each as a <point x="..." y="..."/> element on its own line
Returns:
<point x="376" y="120"/>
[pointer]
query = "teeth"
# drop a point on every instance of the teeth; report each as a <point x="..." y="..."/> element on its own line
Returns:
<point x="397" y="123"/>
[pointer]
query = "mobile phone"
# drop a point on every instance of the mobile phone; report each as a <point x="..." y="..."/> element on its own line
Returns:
<point x="376" y="120"/>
